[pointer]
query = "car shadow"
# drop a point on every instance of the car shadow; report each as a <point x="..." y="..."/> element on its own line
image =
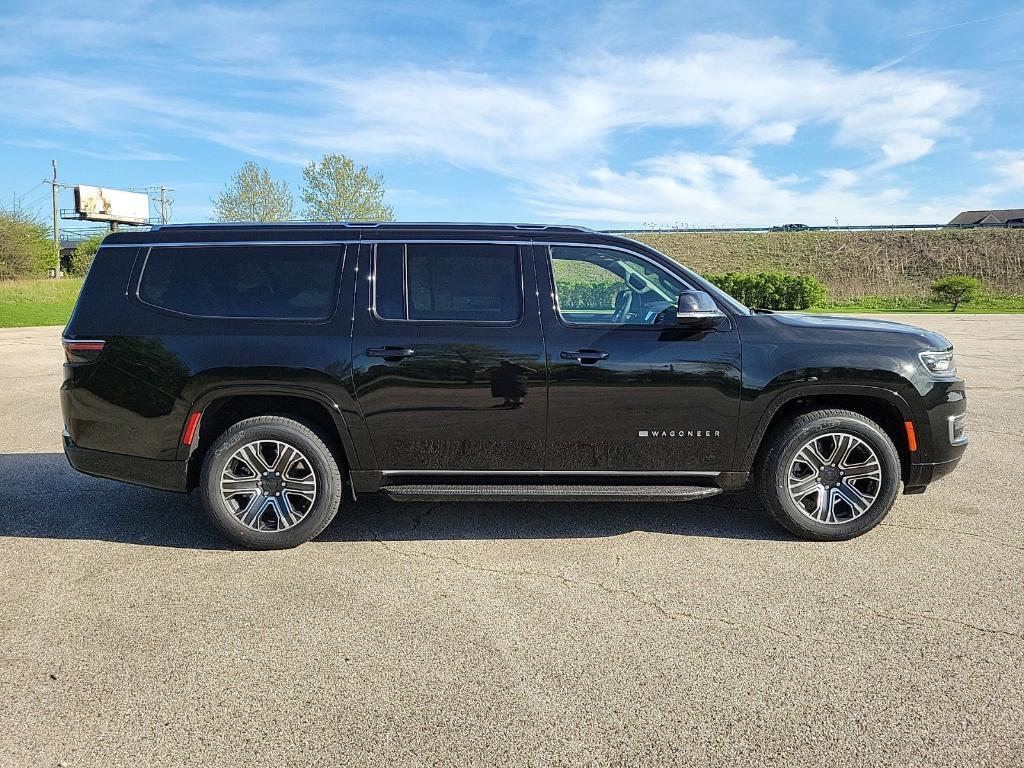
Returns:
<point x="44" y="498"/>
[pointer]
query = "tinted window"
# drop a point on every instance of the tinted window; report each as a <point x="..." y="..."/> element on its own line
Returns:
<point x="390" y="281"/>
<point x="448" y="281"/>
<point x="607" y="287"/>
<point x="294" y="282"/>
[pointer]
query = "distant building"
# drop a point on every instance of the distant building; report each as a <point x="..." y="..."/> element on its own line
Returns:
<point x="987" y="218"/>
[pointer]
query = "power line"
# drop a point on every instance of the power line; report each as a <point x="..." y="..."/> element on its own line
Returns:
<point x="158" y="196"/>
<point x="23" y="195"/>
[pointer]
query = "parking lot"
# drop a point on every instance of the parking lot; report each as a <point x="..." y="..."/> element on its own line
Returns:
<point x="553" y="634"/>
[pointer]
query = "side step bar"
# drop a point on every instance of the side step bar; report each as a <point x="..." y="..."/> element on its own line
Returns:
<point x="650" y="493"/>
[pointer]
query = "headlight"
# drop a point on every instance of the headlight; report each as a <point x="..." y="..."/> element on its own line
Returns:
<point x="939" y="363"/>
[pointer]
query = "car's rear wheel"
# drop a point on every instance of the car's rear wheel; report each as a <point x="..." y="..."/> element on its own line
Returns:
<point x="270" y="482"/>
<point x="829" y="475"/>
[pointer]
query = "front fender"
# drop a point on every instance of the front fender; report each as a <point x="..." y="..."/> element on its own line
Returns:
<point x="758" y="421"/>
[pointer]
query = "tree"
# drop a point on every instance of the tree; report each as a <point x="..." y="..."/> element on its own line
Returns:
<point x="956" y="290"/>
<point x="336" y="191"/>
<point x="81" y="258"/>
<point x="253" y="196"/>
<point x="26" y="245"/>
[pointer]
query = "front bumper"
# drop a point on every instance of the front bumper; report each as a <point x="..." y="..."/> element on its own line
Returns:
<point x="152" y="473"/>
<point x="945" y="424"/>
<point x="921" y="475"/>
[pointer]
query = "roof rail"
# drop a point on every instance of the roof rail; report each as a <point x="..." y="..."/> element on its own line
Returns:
<point x="372" y="224"/>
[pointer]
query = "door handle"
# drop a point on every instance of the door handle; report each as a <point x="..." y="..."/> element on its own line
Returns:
<point x="391" y="354"/>
<point x="585" y="356"/>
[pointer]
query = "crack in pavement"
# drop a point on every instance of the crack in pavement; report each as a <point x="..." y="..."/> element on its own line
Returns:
<point x="929" y="620"/>
<point x="418" y="517"/>
<point x="645" y="599"/>
<point x="982" y="536"/>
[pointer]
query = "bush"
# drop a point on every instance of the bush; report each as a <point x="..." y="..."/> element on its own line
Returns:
<point x="956" y="290"/>
<point x="771" y="290"/>
<point x="583" y="294"/>
<point x="26" y="249"/>
<point x="81" y="258"/>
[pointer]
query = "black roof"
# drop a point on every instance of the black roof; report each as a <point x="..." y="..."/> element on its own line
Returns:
<point x="987" y="217"/>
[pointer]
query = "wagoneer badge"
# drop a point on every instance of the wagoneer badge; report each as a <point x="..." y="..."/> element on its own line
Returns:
<point x="680" y="433"/>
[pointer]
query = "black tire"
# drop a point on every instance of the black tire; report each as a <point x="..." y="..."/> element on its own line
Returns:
<point x="322" y="465"/>
<point x="781" y="448"/>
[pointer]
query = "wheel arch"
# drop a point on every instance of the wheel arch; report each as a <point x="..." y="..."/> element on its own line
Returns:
<point x="886" y="408"/>
<point x="224" y="406"/>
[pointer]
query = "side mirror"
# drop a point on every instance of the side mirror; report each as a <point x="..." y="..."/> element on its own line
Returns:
<point x="698" y="311"/>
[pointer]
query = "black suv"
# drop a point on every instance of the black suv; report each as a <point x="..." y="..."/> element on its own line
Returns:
<point x="271" y="365"/>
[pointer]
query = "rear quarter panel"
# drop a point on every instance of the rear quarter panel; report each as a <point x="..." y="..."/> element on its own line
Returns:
<point x="157" y="365"/>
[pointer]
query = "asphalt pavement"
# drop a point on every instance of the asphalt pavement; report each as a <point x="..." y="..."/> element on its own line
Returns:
<point x="503" y="634"/>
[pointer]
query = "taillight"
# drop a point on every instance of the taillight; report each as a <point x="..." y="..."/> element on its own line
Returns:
<point x="82" y="351"/>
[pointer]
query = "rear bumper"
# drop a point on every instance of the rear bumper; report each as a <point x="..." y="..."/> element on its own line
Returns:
<point x="152" y="473"/>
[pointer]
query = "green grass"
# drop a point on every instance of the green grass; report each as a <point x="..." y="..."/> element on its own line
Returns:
<point x="37" y="302"/>
<point x="984" y="305"/>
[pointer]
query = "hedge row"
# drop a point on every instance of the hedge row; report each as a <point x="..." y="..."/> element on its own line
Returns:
<point x="766" y="290"/>
<point x="771" y="290"/>
<point x="583" y="294"/>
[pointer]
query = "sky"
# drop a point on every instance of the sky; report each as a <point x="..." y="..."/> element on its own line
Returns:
<point x="612" y="115"/>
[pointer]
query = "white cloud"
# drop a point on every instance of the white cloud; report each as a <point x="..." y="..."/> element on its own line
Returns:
<point x="763" y="89"/>
<point x="723" y="190"/>
<point x="773" y="133"/>
<point x="1005" y="168"/>
<point x="1006" y="165"/>
<point x="256" y="88"/>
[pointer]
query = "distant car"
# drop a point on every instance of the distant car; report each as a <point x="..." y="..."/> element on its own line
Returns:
<point x="790" y="228"/>
<point x="1015" y="223"/>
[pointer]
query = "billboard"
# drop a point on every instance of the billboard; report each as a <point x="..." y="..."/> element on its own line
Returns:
<point x="116" y="205"/>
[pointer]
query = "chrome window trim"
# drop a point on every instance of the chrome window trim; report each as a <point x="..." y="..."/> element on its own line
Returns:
<point x="387" y="225"/>
<point x="514" y="238"/>
<point x="216" y="243"/>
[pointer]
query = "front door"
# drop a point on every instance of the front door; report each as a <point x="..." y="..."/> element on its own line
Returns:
<point x="625" y="393"/>
<point x="448" y="357"/>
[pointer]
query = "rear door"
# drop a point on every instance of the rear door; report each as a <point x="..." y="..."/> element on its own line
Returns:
<point x="448" y="357"/>
<point x="627" y="394"/>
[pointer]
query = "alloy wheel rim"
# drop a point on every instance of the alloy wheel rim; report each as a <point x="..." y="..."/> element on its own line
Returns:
<point x="834" y="478"/>
<point x="268" y="485"/>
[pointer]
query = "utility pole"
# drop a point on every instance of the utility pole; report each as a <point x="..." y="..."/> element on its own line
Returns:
<point x="159" y="198"/>
<point x="165" y="205"/>
<point x="56" y="220"/>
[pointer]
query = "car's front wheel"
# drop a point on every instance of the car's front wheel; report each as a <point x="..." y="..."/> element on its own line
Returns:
<point x="829" y="475"/>
<point x="270" y="482"/>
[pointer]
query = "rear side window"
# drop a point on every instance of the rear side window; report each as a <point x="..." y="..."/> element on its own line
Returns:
<point x="280" y="282"/>
<point x="476" y="282"/>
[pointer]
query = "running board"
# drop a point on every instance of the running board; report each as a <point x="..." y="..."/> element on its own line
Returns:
<point x="650" y="493"/>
